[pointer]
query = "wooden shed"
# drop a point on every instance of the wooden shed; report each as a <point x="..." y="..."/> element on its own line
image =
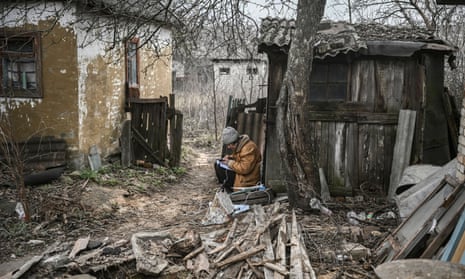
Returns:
<point x="363" y="76"/>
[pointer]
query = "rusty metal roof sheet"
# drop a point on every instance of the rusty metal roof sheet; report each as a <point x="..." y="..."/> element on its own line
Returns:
<point x="334" y="38"/>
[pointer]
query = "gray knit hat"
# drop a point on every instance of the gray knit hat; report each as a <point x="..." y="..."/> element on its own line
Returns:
<point x="230" y="135"/>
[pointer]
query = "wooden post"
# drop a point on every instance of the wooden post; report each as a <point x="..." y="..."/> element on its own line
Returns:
<point x="126" y="145"/>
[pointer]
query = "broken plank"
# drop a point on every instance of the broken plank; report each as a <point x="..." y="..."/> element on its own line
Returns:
<point x="296" y="270"/>
<point x="402" y="148"/>
<point x="241" y="256"/>
<point x="194" y="253"/>
<point x="444" y="214"/>
<point x="227" y="241"/>
<point x="281" y="270"/>
<point x="446" y="224"/>
<point x="451" y="246"/>
<point x="268" y="255"/>
<point x="281" y="241"/>
<point x="408" y="230"/>
<point x="252" y="267"/>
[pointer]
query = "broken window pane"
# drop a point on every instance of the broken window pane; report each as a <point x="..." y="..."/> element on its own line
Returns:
<point x="20" y="66"/>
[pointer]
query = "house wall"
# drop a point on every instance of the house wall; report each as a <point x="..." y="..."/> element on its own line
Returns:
<point x="84" y="85"/>
<point x="102" y="88"/>
<point x="238" y="83"/>
<point x="56" y="114"/>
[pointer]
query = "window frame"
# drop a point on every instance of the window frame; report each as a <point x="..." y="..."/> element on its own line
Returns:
<point x="35" y="55"/>
<point x="131" y="62"/>
<point x="329" y="82"/>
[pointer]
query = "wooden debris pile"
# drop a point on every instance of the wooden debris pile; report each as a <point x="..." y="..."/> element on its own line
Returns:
<point x="263" y="242"/>
<point x="426" y="230"/>
<point x="260" y="243"/>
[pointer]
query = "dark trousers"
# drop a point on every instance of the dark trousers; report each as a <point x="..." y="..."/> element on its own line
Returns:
<point x="225" y="177"/>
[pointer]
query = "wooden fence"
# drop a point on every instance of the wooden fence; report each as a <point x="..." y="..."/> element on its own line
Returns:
<point x="147" y="133"/>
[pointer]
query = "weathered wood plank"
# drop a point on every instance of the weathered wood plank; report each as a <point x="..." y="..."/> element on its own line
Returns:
<point x="445" y="215"/>
<point x="241" y="256"/>
<point x="268" y="255"/>
<point x="407" y="231"/>
<point x="389" y="139"/>
<point x="330" y="170"/>
<point x="402" y="148"/>
<point x="351" y="151"/>
<point x="126" y="146"/>
<point x="281" y="241"/>
<point x="296" y="270"/>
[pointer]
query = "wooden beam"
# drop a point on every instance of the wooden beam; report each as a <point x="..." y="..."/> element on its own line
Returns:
<point x="281" y="241"/>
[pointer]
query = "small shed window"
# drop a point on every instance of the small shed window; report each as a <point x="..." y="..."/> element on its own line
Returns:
<point x="132" y="63"/>
<point x="225" y="71"/>
<point x="328" y="82"/>
<point x="20" y="66"/>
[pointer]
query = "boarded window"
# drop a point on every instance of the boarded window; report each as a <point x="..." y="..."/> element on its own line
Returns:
<point x="20" y="66"/>
<point x="225" y="71"/>
<point x="328" y="82"/>
<point x="132" y="63"/>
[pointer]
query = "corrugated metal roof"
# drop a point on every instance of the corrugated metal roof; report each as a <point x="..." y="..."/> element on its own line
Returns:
<point x="334" y="38"/>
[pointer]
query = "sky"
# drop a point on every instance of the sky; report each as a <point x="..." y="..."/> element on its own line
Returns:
<point x="334" y="10"/>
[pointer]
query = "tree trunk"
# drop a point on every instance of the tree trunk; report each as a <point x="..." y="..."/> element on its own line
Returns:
<point x="297" y="153"/>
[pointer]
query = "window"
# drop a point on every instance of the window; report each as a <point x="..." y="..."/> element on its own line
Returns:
<point x="224" y="71"/>
<point x="132" y="63"/>
<point x="252" y="71"/>
<point x="20" y="66"/>
<point x="328" y="82"/>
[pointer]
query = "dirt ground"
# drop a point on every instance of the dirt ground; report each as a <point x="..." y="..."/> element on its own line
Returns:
<point x="116" y="203"/>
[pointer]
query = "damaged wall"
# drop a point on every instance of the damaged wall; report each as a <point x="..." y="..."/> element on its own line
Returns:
<point x="83" y="80"/>
<point x="56" y="113"/>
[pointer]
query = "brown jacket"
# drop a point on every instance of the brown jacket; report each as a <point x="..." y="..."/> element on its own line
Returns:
<point x="245" y="162"/>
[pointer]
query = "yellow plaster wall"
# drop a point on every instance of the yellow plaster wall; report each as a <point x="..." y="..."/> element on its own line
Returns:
<point x="56" y="114"/>
<point x="103" y="105"/>
<point x="104" y="95"/>
<point x="155" y="73"/>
